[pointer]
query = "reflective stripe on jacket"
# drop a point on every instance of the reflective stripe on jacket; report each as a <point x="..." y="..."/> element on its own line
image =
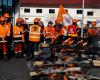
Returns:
<point x="18" y="34"/>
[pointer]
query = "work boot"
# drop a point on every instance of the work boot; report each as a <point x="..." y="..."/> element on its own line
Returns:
<point x="5" y="57"/>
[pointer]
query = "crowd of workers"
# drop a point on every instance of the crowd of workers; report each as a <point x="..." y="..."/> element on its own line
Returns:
<point x="26" y="38"/>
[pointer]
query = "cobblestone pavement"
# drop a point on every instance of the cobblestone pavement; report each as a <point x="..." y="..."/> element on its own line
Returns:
<point x="15" y="69"/>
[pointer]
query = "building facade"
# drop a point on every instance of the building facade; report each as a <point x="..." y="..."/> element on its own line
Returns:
<point x="47" y="10"/>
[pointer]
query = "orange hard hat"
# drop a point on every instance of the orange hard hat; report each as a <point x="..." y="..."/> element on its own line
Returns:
<point x="6" y="15"/>
<point x="37" y="19"/>
<point x="93" y="23"/>
<point x="75" y="20"/>
<point x="2" y="18"/>
<point x="57" y="21"/>
<point x="19" y="20"/>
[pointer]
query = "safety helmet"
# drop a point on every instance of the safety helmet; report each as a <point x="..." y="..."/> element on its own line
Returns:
<point x="74" y="20"/>
<point x="6" y="15"/>
<point x="93" y="23"/>
<point x="2" y="18"/>
<point x="37" y="19"/>
<point x="19" y="20"/>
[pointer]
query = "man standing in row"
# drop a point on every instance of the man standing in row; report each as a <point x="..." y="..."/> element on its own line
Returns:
<point x="8" y="27"/>
<point x="34" y="39"/>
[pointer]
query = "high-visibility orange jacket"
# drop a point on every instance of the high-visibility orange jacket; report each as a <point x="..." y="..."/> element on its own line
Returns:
<point x="48" y="31"/>
<point x="34" y="33"/>
<point x="63" y="31"/>
<point x="2" y="34"/>
<point x="8" y="28"/>
<point x="18" y="34"/>
<point x="92" y="31"/>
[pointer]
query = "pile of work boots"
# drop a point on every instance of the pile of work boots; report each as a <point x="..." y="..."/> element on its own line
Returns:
<point x="65" y="64"/>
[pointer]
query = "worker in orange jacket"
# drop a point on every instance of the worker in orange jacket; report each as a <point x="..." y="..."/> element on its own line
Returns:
<point x="93" y="30"/>
<point x="63" y="32"/>
<point x="8" y="27"/>
<point x="3" y="41"/>
<point x="34" y="39"/>
<point x="58" y="29"/>
<point x="48" y="32"/>
<point x="73" y="32"/>
<point x="18" y="37"/>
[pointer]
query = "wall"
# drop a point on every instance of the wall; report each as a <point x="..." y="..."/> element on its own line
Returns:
<point x="45" y="16"/>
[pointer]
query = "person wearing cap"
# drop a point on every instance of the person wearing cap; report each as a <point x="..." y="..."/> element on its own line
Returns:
<point x="3" y="34"/>
<point x="18" y="37"/>
<point x="8" y="27"/>
<point x="58" y="29"/>
<point x="48" y="32"/>
<point x="92" y="33"/>
<point x="93" y="30"/>
<point x="34" y="39"/>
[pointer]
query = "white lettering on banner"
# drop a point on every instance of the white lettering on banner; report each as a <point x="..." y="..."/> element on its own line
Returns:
<point x="67" y="20"/>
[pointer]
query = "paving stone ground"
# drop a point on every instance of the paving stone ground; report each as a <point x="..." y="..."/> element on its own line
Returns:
<point x="15" y="69"/>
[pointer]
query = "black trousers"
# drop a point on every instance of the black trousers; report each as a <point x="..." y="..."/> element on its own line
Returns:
<point x="33" y="46"/>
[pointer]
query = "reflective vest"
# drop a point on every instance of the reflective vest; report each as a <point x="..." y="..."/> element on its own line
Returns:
<point x="34" y="33"/>
<point x="72" y="31"/>
<point x="48" y="31"/>
<point x="18" y="34"/>
<point x="2" y="34"/>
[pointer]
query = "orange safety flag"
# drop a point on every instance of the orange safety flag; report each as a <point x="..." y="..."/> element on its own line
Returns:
<point x="61" y="12"/>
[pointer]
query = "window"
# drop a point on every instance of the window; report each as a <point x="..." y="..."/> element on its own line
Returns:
<point x="51" y="10"/>
<point x="5" y="2"/>
<point x="10" y="2"/>
<point x="0" y="3"/>
<point x="79" y="11"/>
<point x="38" y="10"/>
<point x="27" y="10"/>
<point x="26" y="18"/>
<point x="66" y="10"/>
<point x="90" y="13"/>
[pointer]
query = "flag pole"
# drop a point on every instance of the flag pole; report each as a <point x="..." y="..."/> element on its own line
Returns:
<point x="82" y="18"/>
